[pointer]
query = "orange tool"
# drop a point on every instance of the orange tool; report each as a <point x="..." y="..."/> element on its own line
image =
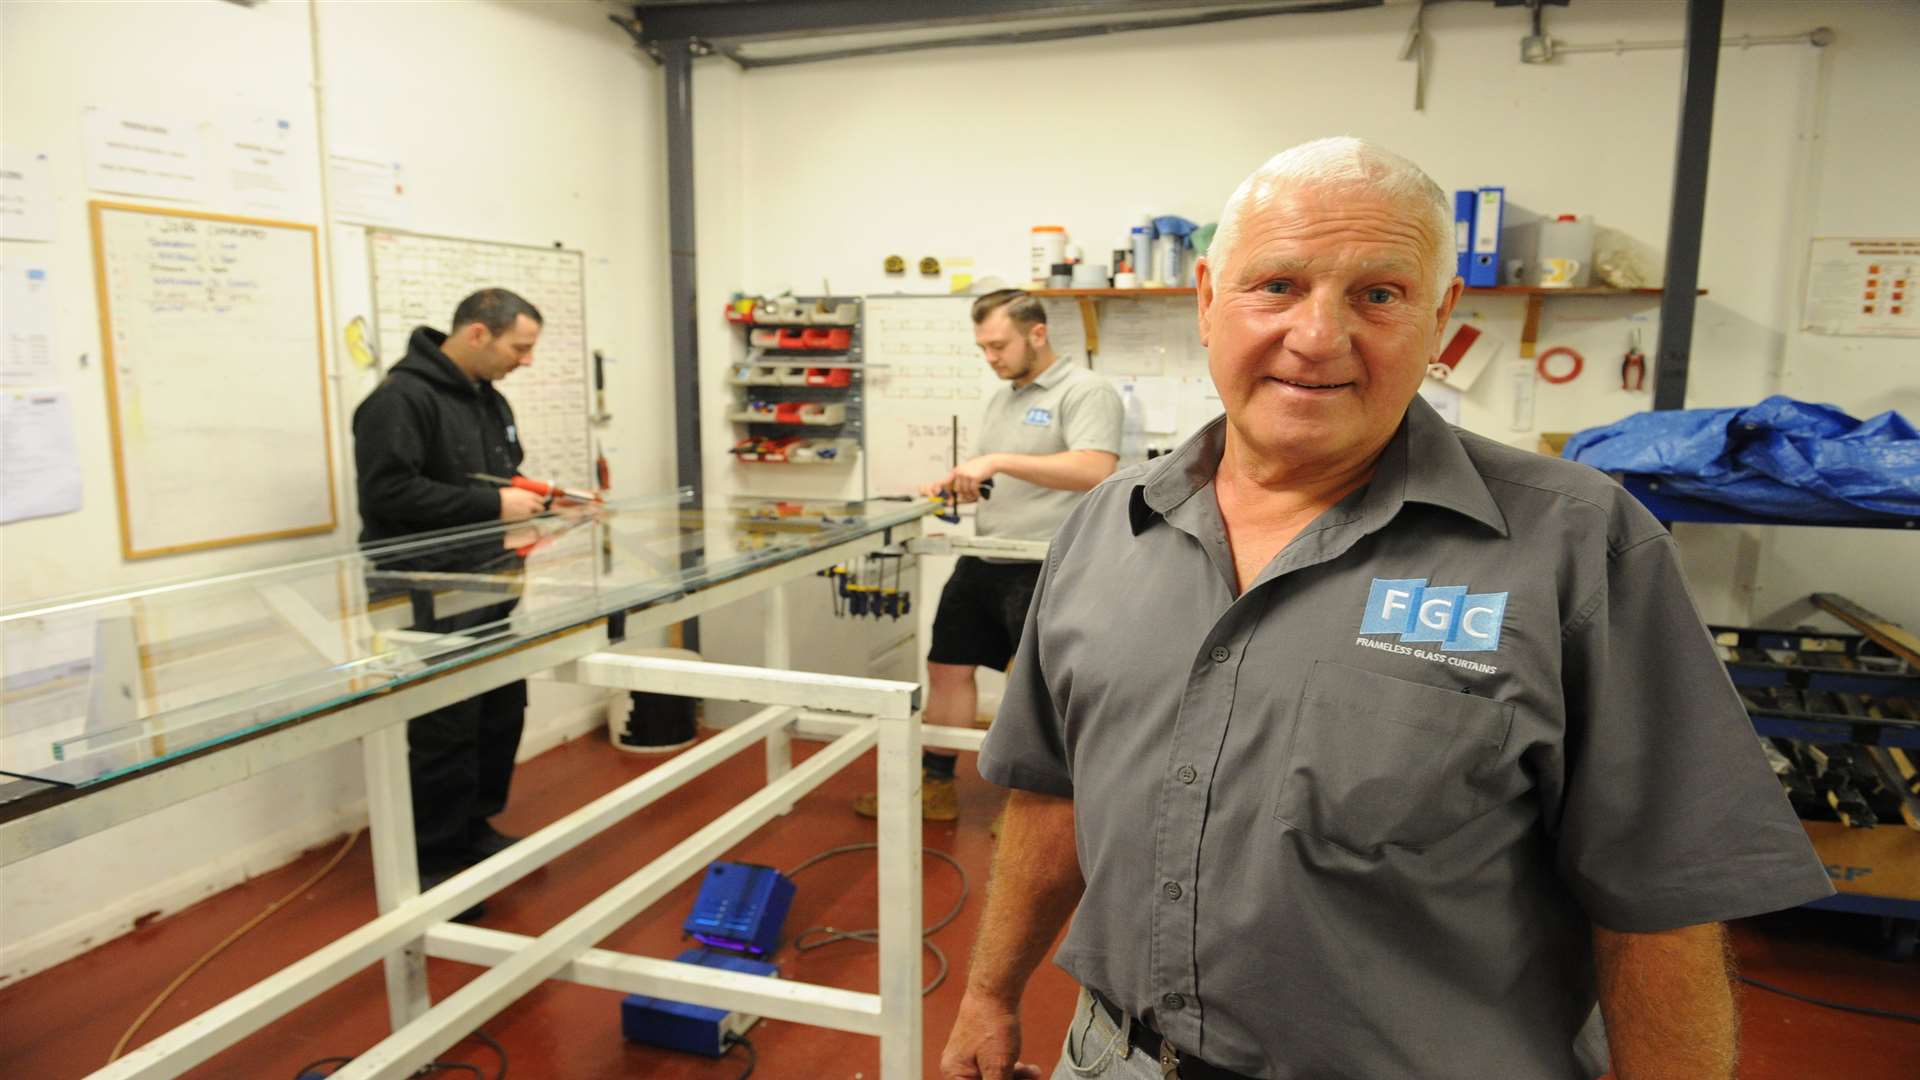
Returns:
<point x="545" y="490"/>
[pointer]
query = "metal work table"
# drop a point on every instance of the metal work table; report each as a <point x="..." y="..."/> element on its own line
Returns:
<point x="117" y="705"/>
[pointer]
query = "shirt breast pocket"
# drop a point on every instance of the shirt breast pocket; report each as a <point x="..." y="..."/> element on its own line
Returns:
<point x="1379" y="761"/>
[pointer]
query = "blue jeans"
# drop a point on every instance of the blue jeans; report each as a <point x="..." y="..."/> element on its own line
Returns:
<point x="1096" y="1050"/>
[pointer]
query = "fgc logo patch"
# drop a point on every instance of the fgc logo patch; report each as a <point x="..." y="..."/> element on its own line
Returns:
<point x="1446" y="615"/>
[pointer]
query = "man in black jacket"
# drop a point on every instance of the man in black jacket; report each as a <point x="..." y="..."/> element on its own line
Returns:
<point x="418" y="438"/>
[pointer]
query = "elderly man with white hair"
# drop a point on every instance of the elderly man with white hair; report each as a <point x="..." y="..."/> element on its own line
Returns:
<point x="1358" y="746"/>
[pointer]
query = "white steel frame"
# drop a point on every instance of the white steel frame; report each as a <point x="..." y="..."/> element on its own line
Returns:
<point x="851" y="714"/>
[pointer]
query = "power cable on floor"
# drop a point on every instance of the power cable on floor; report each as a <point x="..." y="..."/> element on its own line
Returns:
<point x="1864" y="1010"/>
<point x="180" y="980"/>
<point x="832" y="935"/>
<point x="753" y="1058"/>
<point x="431" y="1067"/>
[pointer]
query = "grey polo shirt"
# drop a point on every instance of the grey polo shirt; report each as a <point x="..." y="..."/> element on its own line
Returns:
<point x="1066" y="408"/>
<point x="1357" y="821"/>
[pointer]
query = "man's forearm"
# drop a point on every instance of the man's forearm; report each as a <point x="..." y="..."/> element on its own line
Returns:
<point x="1036" y="884"/>
<point x="1069" y="470"/>
<point x="1669" y="1003"/>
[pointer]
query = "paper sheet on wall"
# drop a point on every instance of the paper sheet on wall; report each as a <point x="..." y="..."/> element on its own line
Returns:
<point x="367" y="188"/>
<point x="1066" y="330"/>
<point x="1159" y="404"/>
<point x="26" y="321"/>
<point x="1133" y="338"/>
<point x="262" y="162"/>
<point x="144" y="154"/>
<point x="1445" y="400"/>
<point x="26" y="195"/>
<point x="1863" y="287"/>
<point x="39" y="468"/>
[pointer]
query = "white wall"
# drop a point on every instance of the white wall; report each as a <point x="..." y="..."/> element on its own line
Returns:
<point x="516" y="122"/>
<point x="958" y="152"/>
<point x="1860" y="185"/>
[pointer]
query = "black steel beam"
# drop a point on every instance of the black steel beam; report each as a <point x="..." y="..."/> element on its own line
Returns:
<point x="767" y="20"/>
<point x="1693" y="143"/>
<point x="1057" y="33"/>
<point x="676" y="58"/>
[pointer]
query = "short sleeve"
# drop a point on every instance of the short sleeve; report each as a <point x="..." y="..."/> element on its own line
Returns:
<point x="1094" y="416"/>
<point x="1024" y="748"/>
<point x="1670" y="815"/>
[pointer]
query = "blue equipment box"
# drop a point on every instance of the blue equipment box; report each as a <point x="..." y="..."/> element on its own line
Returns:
<point x="694" y="1029"/>
<point x="741" y="907"/>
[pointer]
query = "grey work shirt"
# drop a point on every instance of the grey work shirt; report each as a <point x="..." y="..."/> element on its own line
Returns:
<point x="1357" y="821"/>
<point x="1066" y="408"/>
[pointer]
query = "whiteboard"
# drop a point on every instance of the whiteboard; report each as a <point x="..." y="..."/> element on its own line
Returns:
<point x="418" y="280"/>
<point x="216" y="377"/>
<point x="927" y="373"/>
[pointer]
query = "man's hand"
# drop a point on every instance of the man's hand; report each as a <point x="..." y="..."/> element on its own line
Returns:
<point x="519" y="505"/>
<point x="965" y="480"/>
<point x="984" y="1043"/>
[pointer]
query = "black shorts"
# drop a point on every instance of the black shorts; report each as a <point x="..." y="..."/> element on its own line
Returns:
<point x="982" y="611"/>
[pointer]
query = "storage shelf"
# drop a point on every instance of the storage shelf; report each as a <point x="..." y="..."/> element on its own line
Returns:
<point x="849" y="459"/>
<point x="1535" y="296"/>
<point x="751" y="418"/>
<point x="1102" y="293"/>
<point x="1680" y="508"/>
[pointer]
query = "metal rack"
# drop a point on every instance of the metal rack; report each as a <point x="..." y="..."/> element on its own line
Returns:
<point x="1841" y="716"/>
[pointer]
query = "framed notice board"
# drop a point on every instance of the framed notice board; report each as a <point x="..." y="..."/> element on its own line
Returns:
<point x="216" y="378"/>
<point x="419" y="279"/>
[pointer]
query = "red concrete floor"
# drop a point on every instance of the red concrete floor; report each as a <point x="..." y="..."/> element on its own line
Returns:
<point x="62" y="1022"/>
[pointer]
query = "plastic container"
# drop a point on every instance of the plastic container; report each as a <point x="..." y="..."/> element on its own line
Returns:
<point x="1142" y="237"/>
<point x="1060" y="276"/>
<point x="1089" y="276"/>
<point x="1563" y="256"/>
<point x="1168" y="260"/>
<point x="1049" y="246"/>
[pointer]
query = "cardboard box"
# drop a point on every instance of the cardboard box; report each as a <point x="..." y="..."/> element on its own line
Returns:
<point x="1882" y="861"/>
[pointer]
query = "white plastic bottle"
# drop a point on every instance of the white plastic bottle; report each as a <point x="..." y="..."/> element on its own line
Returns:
<point x="1049" y="246"/>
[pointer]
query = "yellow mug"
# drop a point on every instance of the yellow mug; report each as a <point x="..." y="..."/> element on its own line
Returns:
<point x="1558" y="273"/>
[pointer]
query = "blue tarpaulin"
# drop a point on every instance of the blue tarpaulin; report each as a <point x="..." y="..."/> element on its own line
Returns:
<point x="1782" y="458"/>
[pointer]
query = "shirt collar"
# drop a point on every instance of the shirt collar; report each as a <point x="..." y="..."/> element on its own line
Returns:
<point x="1424" y="462"/>
<point x="1051" y="377"/>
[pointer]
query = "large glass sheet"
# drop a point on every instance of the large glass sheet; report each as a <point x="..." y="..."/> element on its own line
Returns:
<point x="102" y="684"/>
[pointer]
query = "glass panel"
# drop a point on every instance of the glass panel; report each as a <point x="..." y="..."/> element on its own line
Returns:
<point x="99" y="685"/>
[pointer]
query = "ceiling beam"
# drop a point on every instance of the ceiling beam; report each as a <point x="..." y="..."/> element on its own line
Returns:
<point x="737" y="21"/>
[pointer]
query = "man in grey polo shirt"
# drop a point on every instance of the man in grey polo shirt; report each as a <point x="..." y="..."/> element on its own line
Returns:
<point x="1049" y="434"/>
<point x="1366" y="747"/>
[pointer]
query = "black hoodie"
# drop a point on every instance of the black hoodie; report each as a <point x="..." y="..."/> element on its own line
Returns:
<point x="419" y="436"/>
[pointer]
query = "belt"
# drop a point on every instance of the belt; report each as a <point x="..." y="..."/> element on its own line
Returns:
<point x="1147" y="1041"/>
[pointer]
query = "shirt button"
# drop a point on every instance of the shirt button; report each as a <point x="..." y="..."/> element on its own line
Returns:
<point x="1188" y="774"/>
<point x="1220" y="654"/>
<point x="1172" y="889"/>
<point x="1173" y="1002"/>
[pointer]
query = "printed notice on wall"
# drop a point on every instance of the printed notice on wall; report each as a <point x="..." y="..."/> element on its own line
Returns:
<point x="26" y="195"/>
<point x="1863" y="287"/>
<point x="261" y="159"/>
<point x="367" y="188"/>
<point x="139" y="154"/>
<point x="39" y="469"/>
<point x="26" y="325"/>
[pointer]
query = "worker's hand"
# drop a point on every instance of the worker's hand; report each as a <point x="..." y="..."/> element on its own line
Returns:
<point x="576" y="509"/>
<point x="965" y="480"/>
<point x="984" y="1043"/>
<point x="519" y="505"/>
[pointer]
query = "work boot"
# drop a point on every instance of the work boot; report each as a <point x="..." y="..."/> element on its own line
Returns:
<point x="429" y="878"/>
<point x="939" y="801"/>
<point x="484" y="841"/>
